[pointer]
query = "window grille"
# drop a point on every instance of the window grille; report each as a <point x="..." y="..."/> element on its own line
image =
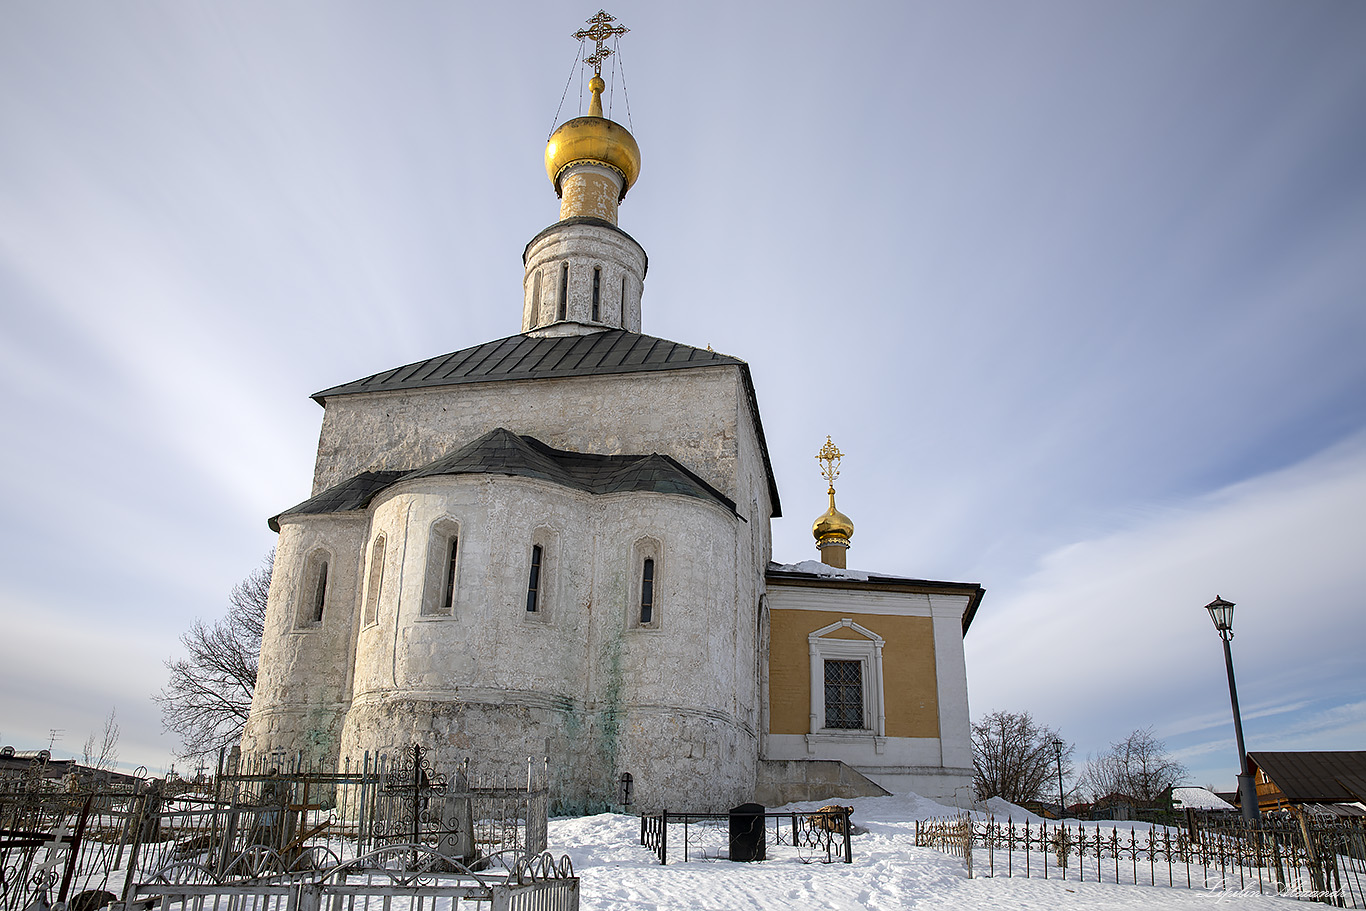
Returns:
<point x="844" y="694"/>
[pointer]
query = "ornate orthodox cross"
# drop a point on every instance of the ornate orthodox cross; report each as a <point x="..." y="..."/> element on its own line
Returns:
<point x="599" y="29"/>
<point x="829" y="457"/>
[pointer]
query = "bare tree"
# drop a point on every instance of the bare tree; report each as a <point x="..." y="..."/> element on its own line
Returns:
<point x="208" y="697"/>
<point x="1013" y="757"/>
<point x="101" y="749"/>
<point x="1138" y="766"/>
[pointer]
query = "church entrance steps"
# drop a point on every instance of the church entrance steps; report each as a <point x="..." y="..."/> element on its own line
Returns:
<point x="782" y="781"/>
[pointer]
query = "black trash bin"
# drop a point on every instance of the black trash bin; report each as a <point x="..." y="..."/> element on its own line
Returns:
<point x="747" y="832"/>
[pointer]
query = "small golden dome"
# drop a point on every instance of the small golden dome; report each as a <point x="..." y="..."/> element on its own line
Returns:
<point x="596" y="139"/>
<point x="833" y="524"/>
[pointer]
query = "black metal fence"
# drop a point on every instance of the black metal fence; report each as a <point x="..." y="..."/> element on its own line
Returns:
<point x="816" y="836"/>
<point x="257" y="816"/>
<point x="1295" y="856"/>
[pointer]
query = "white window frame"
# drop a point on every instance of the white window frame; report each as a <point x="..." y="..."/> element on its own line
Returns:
<point x="868" y="652"/>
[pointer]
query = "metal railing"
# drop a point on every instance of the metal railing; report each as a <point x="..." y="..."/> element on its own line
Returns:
<point x="1305" y="858"/>
<point x="256" y="816"/>
<point x="402" y="875"/>
<point x="819" y="836"/>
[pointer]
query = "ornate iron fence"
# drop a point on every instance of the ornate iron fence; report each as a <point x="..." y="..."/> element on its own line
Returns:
<point x="257" y="816"/>
<point x="817" y="836"/>
<point x="399" y="875"/>
<point x="1322" y="860"/>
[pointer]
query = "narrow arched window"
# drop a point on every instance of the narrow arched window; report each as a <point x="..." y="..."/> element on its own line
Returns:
<point x="533" y="588"/>
<point x="442" y="577"/>
<point x="623" y="302"/>
<point x="564" y="291"/>
<point x="647" y="592"/>
<point x="376" y="580"/>
<point x="312" y="591"/>
<point x="448" y="583"/>
<point x="536" y="299"/>
<point x="320" y="593"/>
<point x="597" y="281"/>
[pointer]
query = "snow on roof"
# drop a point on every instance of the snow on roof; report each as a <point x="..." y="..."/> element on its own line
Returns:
<point x="817" y="568"/>
<point x="1198" y="799"/>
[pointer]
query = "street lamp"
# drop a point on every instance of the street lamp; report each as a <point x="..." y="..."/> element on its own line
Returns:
<point x="1057" y="752"/>
<point x="1221" y="612"/>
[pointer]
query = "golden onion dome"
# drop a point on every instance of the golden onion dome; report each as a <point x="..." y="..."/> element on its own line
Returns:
<point x="593" y="138"/>
<point x="832" y="523"/>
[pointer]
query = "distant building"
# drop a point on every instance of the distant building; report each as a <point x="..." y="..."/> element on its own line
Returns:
<point x="1302" y="778"/>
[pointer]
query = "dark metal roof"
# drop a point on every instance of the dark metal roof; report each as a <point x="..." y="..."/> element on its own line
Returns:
<point x="504" y="452"/>
<point x="1317" y="776"/>
<point x="777" y="574"/>
<point x="526" y="357"/>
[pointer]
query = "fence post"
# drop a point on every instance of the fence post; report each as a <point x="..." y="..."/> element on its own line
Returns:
<point x="135" y="819"/>
<point x="309" y="897"/>
<point x="967" y="843"/>
<point x="848" y="824"/>
<point x="75" y="847"/>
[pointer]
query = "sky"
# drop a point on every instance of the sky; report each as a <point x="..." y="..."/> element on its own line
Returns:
<point x="1079" y="288"/>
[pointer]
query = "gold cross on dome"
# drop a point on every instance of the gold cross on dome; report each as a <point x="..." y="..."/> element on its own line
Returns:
<point x="599" y="29"/>
<point x="829" y="457"/>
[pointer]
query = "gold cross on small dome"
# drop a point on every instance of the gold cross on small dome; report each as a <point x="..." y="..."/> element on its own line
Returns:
<point x="829" y="457"/>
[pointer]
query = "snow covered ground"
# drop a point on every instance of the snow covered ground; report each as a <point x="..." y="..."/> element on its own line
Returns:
<point x="888" y="872"/>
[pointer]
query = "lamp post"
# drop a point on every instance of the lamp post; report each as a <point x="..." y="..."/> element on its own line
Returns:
<point x="1057" y="753"/>
<point x="1221" y="612"/>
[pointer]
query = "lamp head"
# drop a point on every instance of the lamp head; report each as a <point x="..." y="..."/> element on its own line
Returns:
<point x="1221" y="612"/>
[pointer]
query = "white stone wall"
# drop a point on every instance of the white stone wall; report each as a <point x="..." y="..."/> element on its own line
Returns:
<point x="579" y="680"/>
<point x="302" y="685"/>
<point x="692" y="415"/>
<point x="676" y="705"/>
<point x="583" y="247"/>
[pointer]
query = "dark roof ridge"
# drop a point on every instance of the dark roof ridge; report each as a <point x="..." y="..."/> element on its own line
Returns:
<point x="500" y="451"/>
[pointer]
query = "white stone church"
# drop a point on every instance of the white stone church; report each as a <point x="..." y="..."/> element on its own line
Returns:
<point x="557" y="545"/>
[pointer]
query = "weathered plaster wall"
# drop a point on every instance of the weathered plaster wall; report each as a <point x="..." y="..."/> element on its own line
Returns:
<point x="677" y="704"/>
<point x="689" y="414"/>
<point x="583" y="247"/>
<point x="301" y="686"/>
<point x="579" y="681"/>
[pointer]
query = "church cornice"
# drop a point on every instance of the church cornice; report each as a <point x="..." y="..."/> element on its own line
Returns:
<point x="591" y="222"/>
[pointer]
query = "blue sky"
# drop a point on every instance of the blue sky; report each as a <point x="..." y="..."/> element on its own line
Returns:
<point x="1079" y="288"/>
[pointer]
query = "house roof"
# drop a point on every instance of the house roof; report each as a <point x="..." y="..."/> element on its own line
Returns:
<point x="1317" y="776"/>
<point x="814" y="574"/>
<point x="527" y="357"/>
<point x="503" y="452"/>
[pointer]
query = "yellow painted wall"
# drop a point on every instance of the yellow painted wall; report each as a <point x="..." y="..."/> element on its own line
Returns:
<point x="908" y="678"/>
